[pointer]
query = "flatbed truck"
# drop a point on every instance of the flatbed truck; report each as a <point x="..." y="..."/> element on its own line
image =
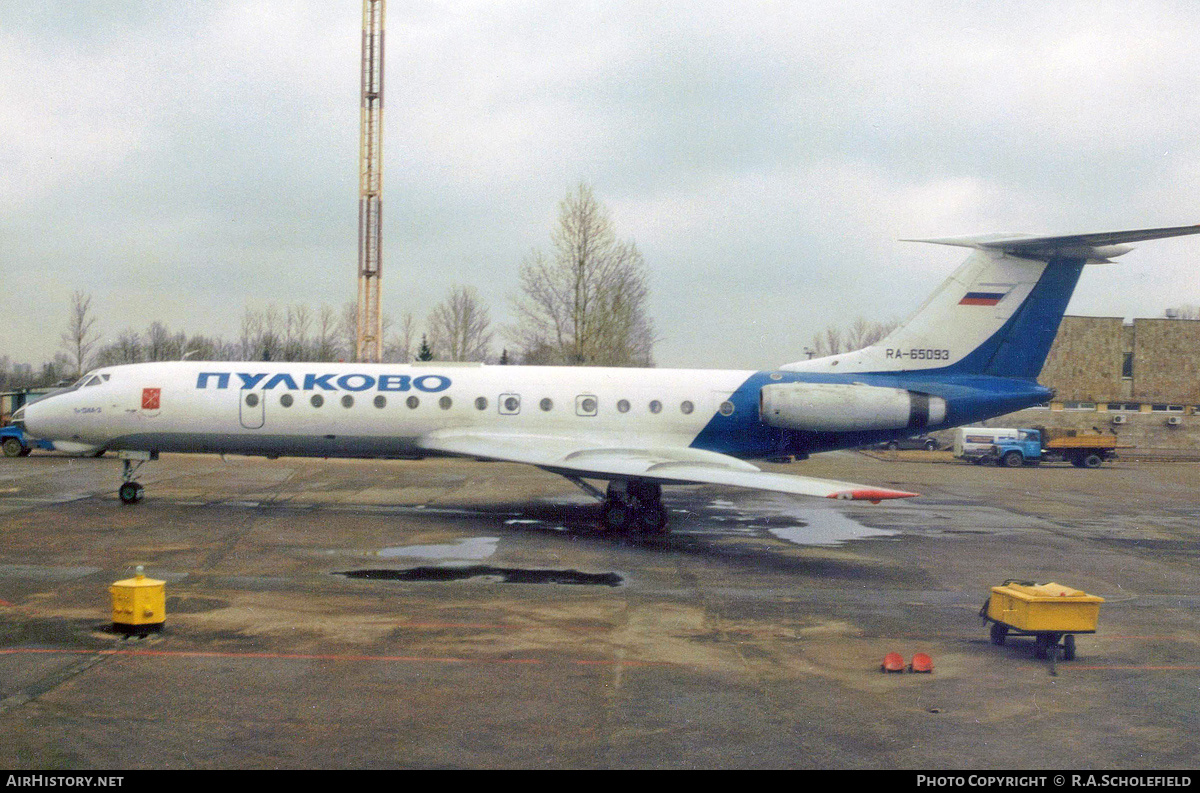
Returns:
<point x="1015" y="447"/>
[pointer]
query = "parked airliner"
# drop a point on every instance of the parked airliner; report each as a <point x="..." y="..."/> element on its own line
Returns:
<point x="972" y="351"/>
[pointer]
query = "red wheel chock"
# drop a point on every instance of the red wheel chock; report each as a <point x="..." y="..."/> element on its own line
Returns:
<point x="921" y="663"/>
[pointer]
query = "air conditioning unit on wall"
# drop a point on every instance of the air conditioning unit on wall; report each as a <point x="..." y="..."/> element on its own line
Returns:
<point x="1119" y="419"/>
<point x="1174" y="421"/>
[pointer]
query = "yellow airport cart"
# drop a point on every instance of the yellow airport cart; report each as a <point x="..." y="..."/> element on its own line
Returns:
<point x="1049" y="612"/>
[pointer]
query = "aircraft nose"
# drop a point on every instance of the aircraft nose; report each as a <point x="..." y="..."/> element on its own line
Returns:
<point x="31" y="419"/>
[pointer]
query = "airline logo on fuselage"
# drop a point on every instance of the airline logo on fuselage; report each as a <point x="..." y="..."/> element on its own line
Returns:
<point x="245" y="381"/>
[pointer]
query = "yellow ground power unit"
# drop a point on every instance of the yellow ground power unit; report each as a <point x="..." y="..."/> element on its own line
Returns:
<point x="139" y="604"/>
<point x="1048" y="612"/>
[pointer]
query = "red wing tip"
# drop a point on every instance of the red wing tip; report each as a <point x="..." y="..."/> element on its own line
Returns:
<point x="873" y="495"/>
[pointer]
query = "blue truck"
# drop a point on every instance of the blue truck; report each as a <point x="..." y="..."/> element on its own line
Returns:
<point x="1015" y="447"/>
<point x="17" y="444"/>
<point x="13" y="441"/>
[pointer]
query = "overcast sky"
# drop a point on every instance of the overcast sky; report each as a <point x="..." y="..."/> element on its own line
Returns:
<point x="185" y="161"/>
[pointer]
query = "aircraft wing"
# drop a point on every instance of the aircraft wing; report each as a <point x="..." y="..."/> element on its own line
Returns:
<point x="664" y="464"/>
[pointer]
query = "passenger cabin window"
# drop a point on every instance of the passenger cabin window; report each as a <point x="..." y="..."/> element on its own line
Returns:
<point x="286" y="400"/>
<point x="510" y="404"/>
<point x="481" y="403"/>
<point x="347" y="401"/>
<point x="412" y="402"/>
<point x="547" y="404"/>
<point x="444" y="403"/>
<point x="380" y="401"/>
<point x="686" y="407"/>
<point x="586" y="405"/>
<point x="623" y="406"/>
<point x="655" y="406"/>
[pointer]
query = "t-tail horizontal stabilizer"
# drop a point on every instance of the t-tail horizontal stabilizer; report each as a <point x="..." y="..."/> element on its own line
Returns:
<point x="1093" y="248"/>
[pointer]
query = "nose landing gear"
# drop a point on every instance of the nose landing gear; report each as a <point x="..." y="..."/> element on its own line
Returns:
<point x="131" y="492"/>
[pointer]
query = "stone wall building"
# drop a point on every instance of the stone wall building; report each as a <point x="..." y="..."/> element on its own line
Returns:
<point x="1140" y="380"/>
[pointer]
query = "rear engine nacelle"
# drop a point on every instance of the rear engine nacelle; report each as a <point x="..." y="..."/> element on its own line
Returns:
<point x="834" y="407"/>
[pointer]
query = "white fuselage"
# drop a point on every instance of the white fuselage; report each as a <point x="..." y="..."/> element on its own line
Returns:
<point x="375" y="409"/>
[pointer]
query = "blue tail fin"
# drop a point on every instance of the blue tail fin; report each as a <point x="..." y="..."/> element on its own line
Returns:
<point x="1020" y="347"/>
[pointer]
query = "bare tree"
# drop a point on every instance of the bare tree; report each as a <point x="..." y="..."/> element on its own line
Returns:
<point x="162" y="345"/>
<point x="126" y="349"/>
<point x="209" y="348"/>
<point x="80" y="336"/>
<point x="57" y="372"/>
<point x="325" y="346"/>
<point x="459" y="327"/>
<point x="861" y="333"/>
<point x="251" y="335"/>
<point x="584" y="304"/>
<point x="298" y="325"/>
<point x="272" y="337"/>
<point x="348" y="330"/>
<point x="159" y="343"/>
<point x="398" y="346"/>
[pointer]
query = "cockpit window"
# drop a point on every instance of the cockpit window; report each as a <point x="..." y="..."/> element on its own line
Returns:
<point x="89" y="379"/>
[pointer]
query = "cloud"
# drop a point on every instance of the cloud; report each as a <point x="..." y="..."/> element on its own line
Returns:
<point x="765" y="156"/>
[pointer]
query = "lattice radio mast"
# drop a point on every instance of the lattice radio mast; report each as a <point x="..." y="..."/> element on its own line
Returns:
<point x="369" y="343"/>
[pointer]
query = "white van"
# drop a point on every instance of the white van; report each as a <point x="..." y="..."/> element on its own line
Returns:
<point x="973" y="443"/>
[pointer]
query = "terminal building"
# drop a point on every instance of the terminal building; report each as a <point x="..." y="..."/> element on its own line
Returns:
<point x="1139" y="379"/>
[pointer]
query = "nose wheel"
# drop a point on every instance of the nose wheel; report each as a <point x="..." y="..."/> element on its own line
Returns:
<point x="131" y="493"/>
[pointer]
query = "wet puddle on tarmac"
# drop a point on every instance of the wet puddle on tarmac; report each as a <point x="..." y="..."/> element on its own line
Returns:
<point x="454" y="562"/>
<point x="470" y="549"/>
<point x="820" y="526"/>
<point x="826" y="527"/>
<point x="489" y="574"/>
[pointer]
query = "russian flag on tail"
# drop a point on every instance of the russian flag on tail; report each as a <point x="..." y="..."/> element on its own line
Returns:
<point x="982" y="298"/>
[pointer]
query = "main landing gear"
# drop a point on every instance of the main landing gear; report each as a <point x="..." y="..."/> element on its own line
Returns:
<point x="634" y="506"/>
<point x="132" y="492"/>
